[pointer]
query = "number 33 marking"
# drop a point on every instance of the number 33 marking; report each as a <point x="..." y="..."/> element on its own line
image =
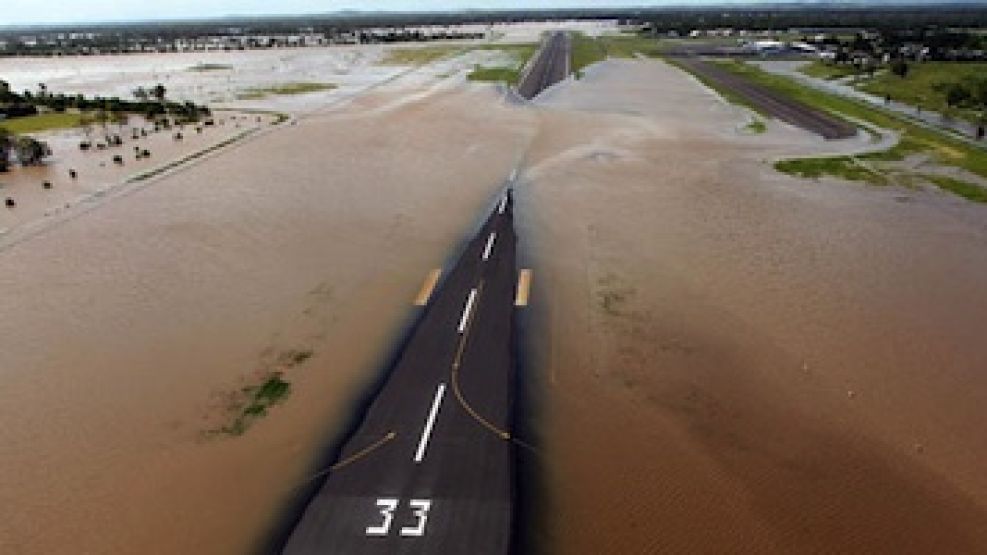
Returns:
<point x="387" y="507"/>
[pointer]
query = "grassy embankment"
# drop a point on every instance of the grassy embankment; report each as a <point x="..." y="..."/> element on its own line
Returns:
<point x="627" y="45"/>
<point x="42" y="122"/>
<point x="419" y="56"/>
<point x="925" y="85"/>
<point x="875" y="168"/>
<point x="588" y="50"/>
<point x="285" y="89"/>
<point x="826" y="70"/>
<point x="510" y="74"/>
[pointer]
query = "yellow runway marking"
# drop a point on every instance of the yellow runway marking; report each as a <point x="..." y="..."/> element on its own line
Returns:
<point x="348" y="460"/>
<point x="523" y="288"/>
<point x="363" y="452"/>
<point x="456" y="363"/>
<point x="426" y="292"/>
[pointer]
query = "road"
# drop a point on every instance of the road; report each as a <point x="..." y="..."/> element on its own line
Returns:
<point x="551" y="66"/>
<point x="774" y="104"/>
<point x="430" y="469"/>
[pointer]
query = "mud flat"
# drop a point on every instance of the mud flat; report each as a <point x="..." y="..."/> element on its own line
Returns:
<point x="128" y="332"/>
<point x="738" y="361"/>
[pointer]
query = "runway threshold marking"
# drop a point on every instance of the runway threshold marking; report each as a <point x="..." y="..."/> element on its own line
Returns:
<point x="464" y="320"/>
<point x="428" y="286"/>
<point x="429" y="423"/>
<point x="490" y="243"/>
<point x="523" y="288"/>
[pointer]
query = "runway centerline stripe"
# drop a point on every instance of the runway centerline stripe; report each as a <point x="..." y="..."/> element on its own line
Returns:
<point x="490" y="244"/>
<point x="466" y="311"/>
<point x="427" y="432"/>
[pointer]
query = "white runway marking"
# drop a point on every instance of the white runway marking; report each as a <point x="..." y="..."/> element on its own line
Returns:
<point x="466" y="311"/>
<point x="490" y="244"/>
<point x="514" y="174"/>
<point x="427" y="432"/>
<point x="503" y="205"/>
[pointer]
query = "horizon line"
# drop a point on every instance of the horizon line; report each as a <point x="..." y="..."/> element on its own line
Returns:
<point x="701" y="4"/>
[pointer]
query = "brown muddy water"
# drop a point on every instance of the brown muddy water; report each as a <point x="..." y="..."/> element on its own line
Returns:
<point x="96" y="171"/>
<point x="125" y="329"/>
<point x="733" y="360"/>
<point x="738" y="361"/>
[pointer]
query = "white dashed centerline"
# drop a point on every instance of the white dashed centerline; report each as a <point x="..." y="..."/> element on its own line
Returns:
<point x="490" y="244"/>
<point x="466" y="311"/>
<point x="503" y="205"/>
<point x="427" y="432"/>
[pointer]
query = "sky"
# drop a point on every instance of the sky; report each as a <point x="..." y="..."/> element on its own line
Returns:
<point x="20" y="12"/>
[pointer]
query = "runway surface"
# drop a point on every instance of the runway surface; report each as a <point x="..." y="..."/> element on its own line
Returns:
<point x="430" y="468"/>
<point x="551" y="66"/>
<point x="772" y="103"/>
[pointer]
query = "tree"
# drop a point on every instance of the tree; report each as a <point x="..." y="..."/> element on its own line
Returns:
<point x="6" y="95"/>
<point x="141" y="94"/>
<point x="980" y="92"/>
<point x="6" y="144"/>
<point x="158" y="92"/>
<point x="900" y="68"/>
<point x="956" y="94"/>
<point x="31" y="151"/>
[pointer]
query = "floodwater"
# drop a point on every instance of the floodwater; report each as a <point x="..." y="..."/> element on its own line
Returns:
<point x="732" y="359"/>
<point x="738" y="361"/>
<point x="125" y="328"/>
<point x="96" y="172"/>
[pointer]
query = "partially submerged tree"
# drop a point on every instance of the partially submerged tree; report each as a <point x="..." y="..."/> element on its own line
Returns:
<point x="158" y="92"/>
<point x="30" y="151"/>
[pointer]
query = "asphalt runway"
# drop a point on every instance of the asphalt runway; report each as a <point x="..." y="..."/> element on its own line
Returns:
<point x="551" y="66"/>
<point x="431" y="467"/>
<point x="772" y="103"/>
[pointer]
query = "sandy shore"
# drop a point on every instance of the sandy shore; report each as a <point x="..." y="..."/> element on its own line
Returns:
<point x="733" y="360"/>
<point x="739" y="361"/>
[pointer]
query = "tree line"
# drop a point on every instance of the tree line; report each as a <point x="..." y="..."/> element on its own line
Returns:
<point x="150" y="102"/>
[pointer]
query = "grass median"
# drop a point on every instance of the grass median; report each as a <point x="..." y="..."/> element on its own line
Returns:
<point x="285" y="89"/>
<point x="510" y="74"/>
<point x="42" y="122"/>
